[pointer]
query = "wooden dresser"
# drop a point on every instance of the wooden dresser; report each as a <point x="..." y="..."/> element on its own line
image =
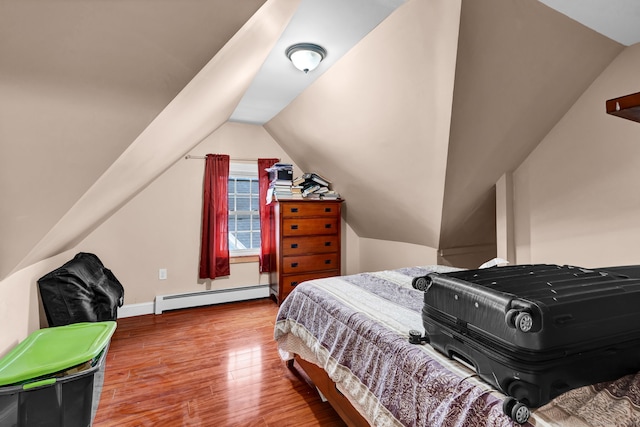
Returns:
<point x="306" y="243"/>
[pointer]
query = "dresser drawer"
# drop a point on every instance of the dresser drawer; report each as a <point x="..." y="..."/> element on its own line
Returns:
<point x="294" y="210"/>
<point x="308" y="263"/>
<point x="310" y="245"/>
<point x="309" y="226"/>
<point x="291" y="281"/>
<point x="306" y="243"/>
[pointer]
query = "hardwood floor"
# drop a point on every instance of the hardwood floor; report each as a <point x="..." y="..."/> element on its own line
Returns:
<point x="208" y="366"/>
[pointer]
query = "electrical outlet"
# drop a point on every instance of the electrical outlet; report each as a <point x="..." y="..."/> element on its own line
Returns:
<point x="162" y="274"/>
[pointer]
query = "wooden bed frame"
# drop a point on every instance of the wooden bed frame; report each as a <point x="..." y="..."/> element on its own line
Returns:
<point x="328" y="388"/>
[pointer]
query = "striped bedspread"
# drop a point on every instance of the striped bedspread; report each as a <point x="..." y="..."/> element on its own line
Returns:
<point x="356" y="328"/>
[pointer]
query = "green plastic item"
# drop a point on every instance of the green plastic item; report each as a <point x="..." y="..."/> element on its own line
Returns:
<point x="54" y="349"/>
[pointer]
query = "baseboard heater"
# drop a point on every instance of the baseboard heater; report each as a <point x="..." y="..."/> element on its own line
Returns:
<point x="218" y="296"/>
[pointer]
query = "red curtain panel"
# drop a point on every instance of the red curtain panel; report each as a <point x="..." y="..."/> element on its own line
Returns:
<point x="265" y="221"/>
<point x="214" y="249"/>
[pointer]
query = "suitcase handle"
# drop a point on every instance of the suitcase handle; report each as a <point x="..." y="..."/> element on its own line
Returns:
<point x="463" y="360"/>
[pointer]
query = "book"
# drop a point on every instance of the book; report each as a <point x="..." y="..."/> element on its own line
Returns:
<point x="288" y="196"/>
<point x="330" y="195"/>
<point x="280" y="183"/>
<point x="309" y="184"/>
<point x="317" y="178"/>
<point x="309" y="190"/>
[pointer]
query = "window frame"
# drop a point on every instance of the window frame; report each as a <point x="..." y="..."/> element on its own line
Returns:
<point x="243" y="170"/>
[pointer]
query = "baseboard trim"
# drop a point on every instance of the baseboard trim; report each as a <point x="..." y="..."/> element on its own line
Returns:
<point x="193" y="299"/>
<point x="217" y="296"/>
<point x="132" y="310"/>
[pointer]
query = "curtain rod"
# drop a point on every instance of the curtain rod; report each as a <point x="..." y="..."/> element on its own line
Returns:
<point x="190" y="157"/>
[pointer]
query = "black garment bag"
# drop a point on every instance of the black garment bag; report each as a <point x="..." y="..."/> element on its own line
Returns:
<point x="81" y="290"/>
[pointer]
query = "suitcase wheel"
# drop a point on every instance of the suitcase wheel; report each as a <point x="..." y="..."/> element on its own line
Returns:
<point x="421" y="283"/>
<point x="520" y="320"/>
<point x="510" y="318"/>
<point x="415" y="337"/>
<point x="524" y="321"/>
<point x="517" y="411"/>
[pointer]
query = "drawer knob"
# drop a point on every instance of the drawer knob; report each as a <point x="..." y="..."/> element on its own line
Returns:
<point x="294" y="226"/>
<point x="327" y="261"/>
<point x="294" y="283"/>
<point x="327" y="226"/>
<point x="293" y="210"/>
<point x="294" y="245"/>
<point x="294" y="264"/>
<point x="327" y="209"/>
<point x="327" y="243"/>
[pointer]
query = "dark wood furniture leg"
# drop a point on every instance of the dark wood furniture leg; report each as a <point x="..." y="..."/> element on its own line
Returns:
<point x="328" y="388"/>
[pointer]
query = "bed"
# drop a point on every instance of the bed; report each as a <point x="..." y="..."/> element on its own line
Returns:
<point x="350" y="335"/>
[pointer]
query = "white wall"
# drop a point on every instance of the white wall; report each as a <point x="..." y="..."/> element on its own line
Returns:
<point x="20" y="310"/>
<point x="375" y="255"/>
<point x="350" y="246"/>
<point x="576" y="197"/>
<point x="160" y="227"/>
<point x="377" y="123"/>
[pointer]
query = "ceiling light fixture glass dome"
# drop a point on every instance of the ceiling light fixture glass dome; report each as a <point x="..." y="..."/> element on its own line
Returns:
<point x="305" y="56"/>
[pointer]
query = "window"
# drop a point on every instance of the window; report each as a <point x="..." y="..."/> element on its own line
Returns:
<point x="244" y="213"/>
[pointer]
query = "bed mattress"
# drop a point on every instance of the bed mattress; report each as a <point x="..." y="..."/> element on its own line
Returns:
<point x="356" y="328"/>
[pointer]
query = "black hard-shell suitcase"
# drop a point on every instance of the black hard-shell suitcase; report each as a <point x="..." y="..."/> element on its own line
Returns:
<point x="536" y="331"/>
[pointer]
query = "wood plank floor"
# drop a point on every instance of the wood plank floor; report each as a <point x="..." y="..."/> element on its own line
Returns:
<point x="208" y="366"/>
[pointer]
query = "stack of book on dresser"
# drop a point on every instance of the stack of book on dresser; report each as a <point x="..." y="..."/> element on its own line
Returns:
<point x="282" y="186"/>
<point x="281" y="183"/>
<point x="314" y="186"/>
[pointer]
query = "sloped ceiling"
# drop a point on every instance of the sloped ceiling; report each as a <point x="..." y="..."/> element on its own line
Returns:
<point x="374" y="122"/>
<point x="80" y="83"/>
<point x="336" y="25"/>
<point x="520" y="67"/>
<point x="377" y="124"/>
<point x="617" y="20"/>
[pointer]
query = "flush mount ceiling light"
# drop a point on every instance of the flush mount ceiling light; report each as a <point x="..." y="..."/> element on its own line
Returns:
<point x="305" y="56"/>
